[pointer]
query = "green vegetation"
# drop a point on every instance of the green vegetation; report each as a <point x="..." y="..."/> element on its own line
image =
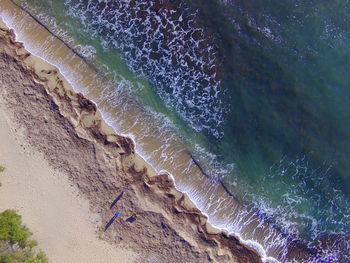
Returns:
<point x="15" y="246"/>
<point x="2" y="168"/>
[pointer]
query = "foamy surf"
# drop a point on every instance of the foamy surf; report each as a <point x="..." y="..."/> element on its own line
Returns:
<point x="207" y="180"/>
<point x="15" y="23"/>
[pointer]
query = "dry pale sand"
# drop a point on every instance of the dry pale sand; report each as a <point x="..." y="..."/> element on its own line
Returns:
<point x="51" y="207"/>
<point x="66" y="169"/>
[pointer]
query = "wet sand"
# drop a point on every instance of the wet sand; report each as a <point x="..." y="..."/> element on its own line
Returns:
<point x="71" y="168"/>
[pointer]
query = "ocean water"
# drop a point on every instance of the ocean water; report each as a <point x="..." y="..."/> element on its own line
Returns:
<point x="245" y="103"/>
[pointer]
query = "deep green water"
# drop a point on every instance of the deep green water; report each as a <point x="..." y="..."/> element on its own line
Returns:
<point x="260" y="89"/>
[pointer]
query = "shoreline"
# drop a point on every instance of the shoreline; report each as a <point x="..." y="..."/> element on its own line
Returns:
<point x="246" y="223"/>
<point x="256" y="246"/>
<point x="95" y="125"/>
<point x="74" y="82"/>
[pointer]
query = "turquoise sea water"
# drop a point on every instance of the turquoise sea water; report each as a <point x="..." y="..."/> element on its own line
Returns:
<point x="259" y="91"/>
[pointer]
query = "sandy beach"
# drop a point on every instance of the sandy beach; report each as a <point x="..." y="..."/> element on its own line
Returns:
<point x="66" y="170"/>
<point x="51" y="206"/>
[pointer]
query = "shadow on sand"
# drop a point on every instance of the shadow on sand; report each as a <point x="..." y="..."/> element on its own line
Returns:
<point x="110" y="222"/>
<point x="116" y="200"/>
<point x="131" y="219"/>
